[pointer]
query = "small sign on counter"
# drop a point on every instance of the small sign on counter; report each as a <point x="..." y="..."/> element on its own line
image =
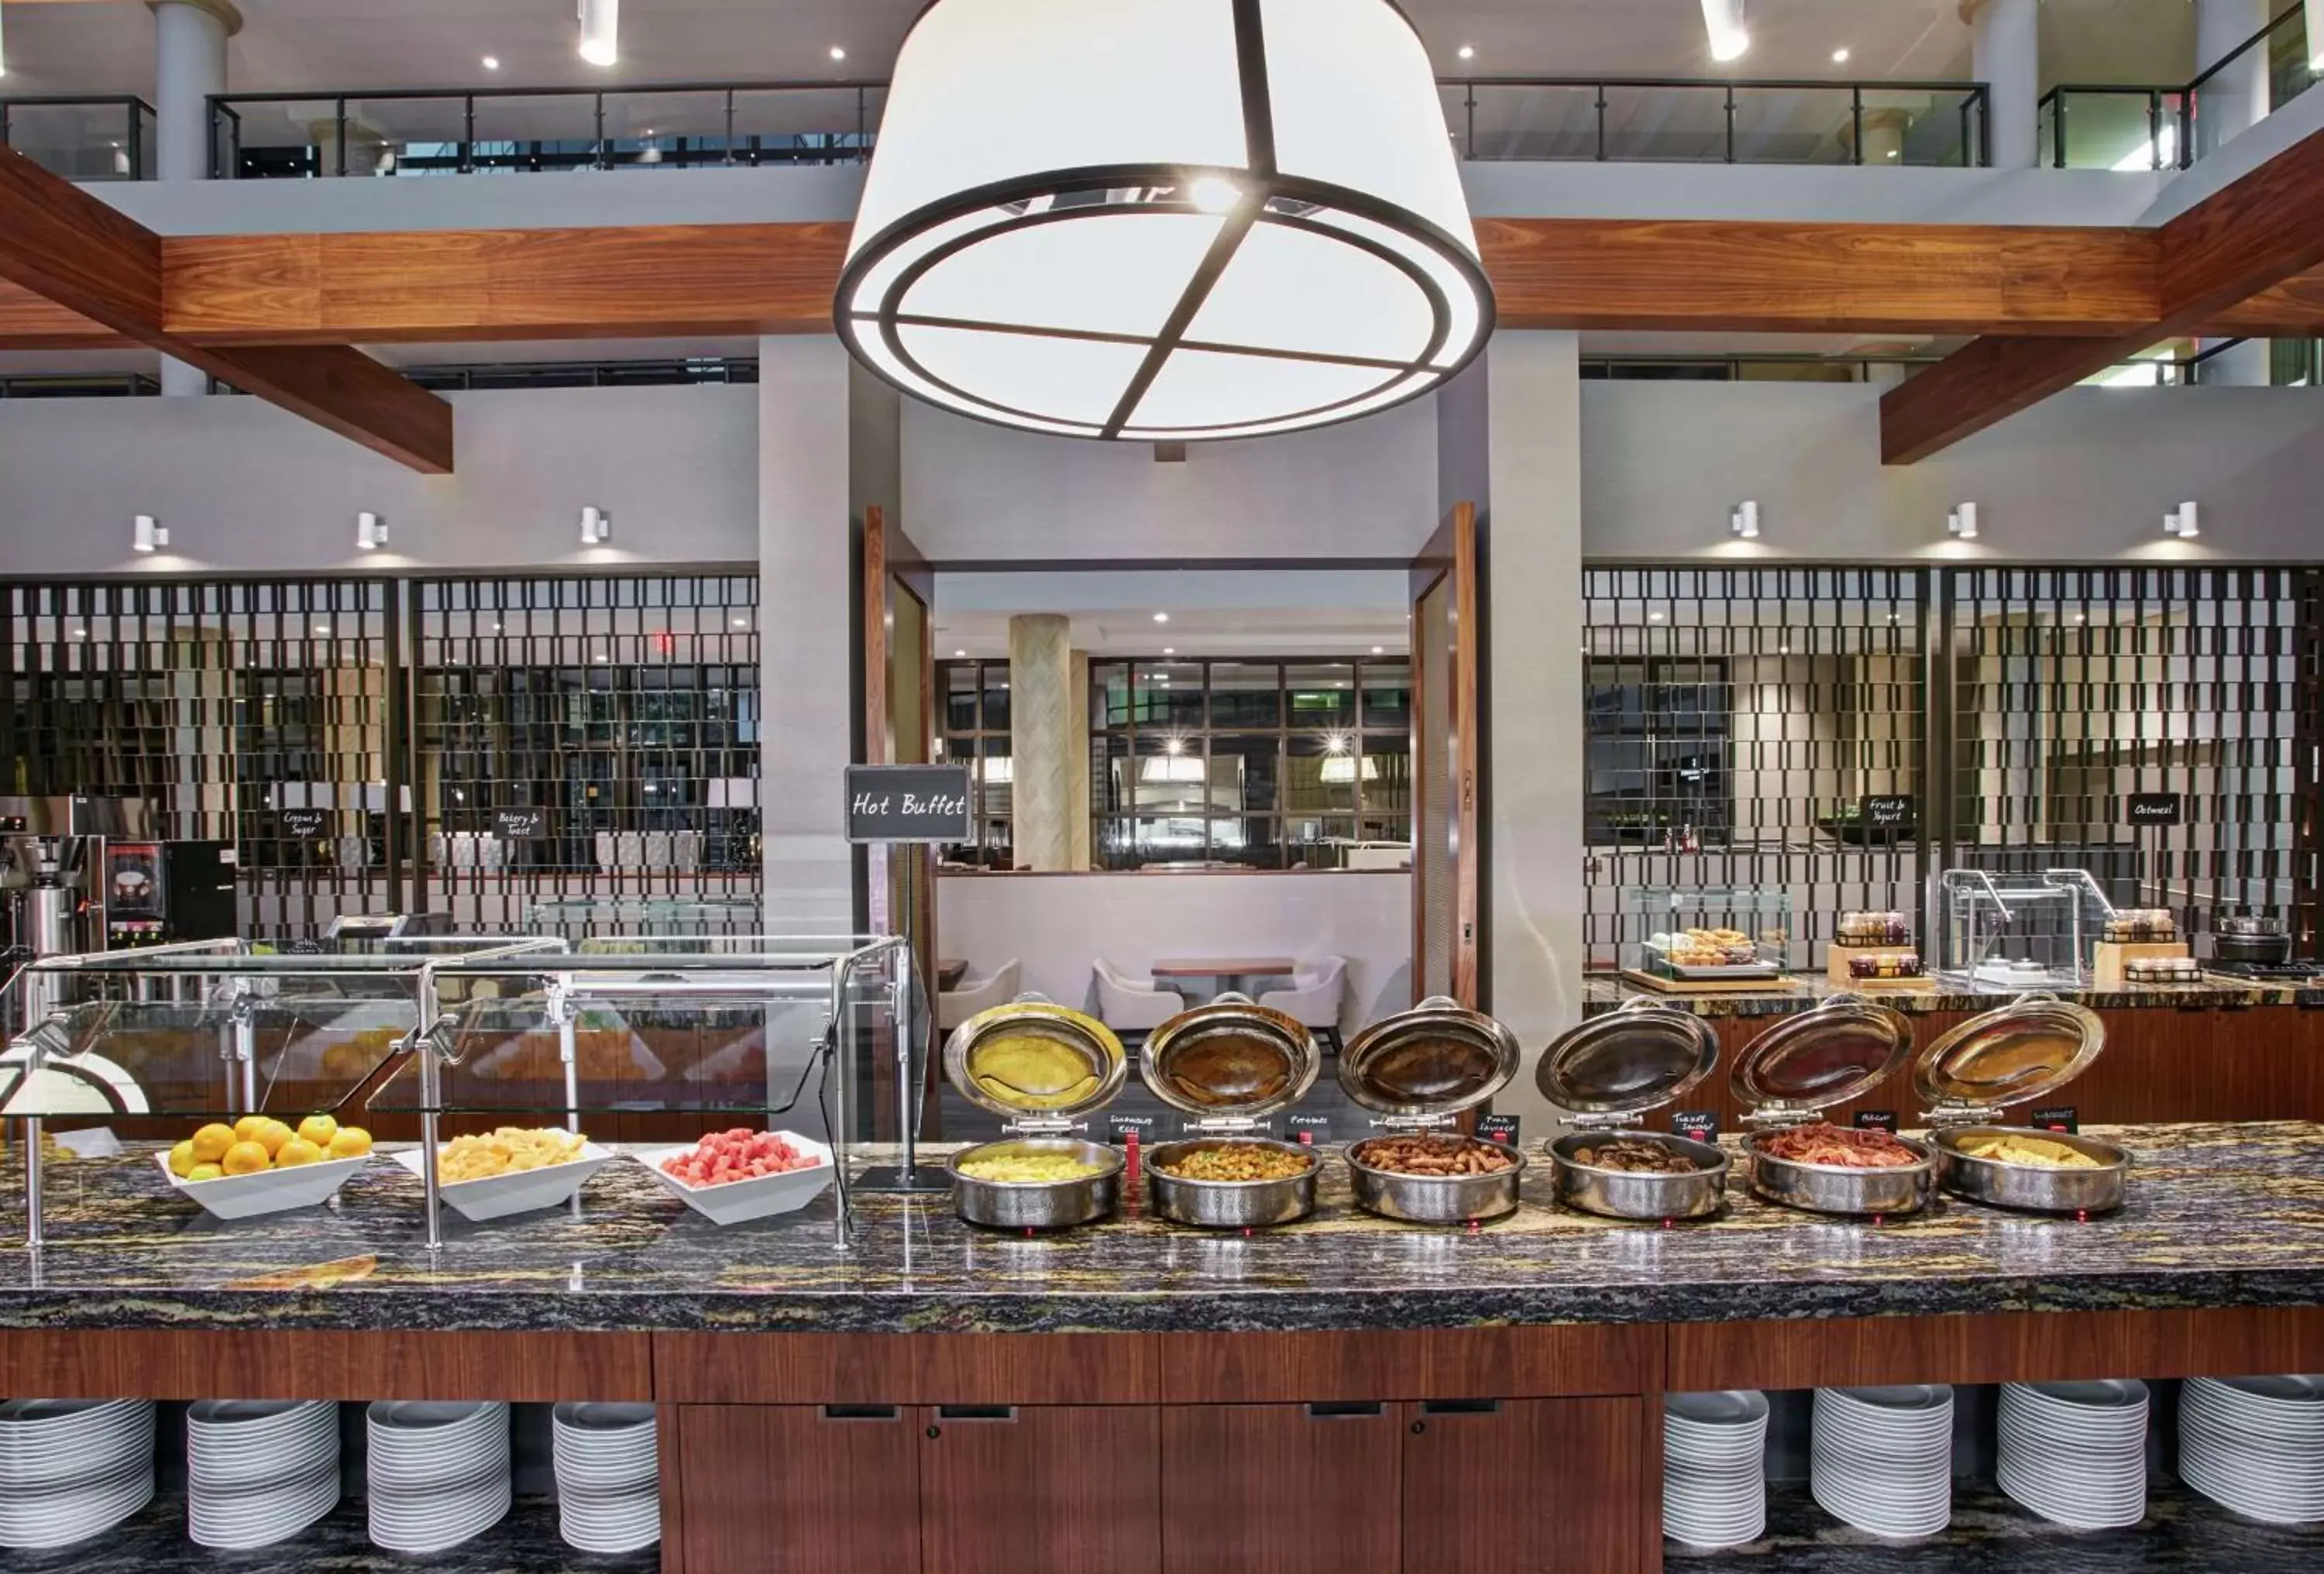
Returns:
<point x="1308" y="1128"/>
<point x="1119" y="1128"/>
<point x="1502" y="1128"/>
<point x="304" y="824"/>
<point x="1886" y="812"/>
<point x="908" y="802"/>
<point x="2154" y="808"/>
<point x="519" y="825"/>
<point x="1701" y="1125"/>
<point x="1876" y="1120"/>
<point x="2058" y="1117"/>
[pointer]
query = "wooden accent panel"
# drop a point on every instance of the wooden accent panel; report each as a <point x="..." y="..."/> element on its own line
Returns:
<point x="1999" y="1349"/>
<point x="30" y="321"/>
<point x="1986" y="380"/>
<point x="634" y="281"/>
<point x="1536" y="1487"/>
<point x="266" y="1363"/>
<point x="1279" y="1487"/>
<point x="876" y="1368"/>
<point x="670" y="1455"/>
<point x="789" y="1487"/>
<point x="1473" y="1363"/>
<point x="1074" y="1487"/>
<point x="1682" y="274"/>
<point x="342" y="389"/>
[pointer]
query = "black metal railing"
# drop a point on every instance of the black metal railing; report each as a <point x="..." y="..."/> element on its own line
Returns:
<point x="80" y="385"/>
<point x="2124" y="125"/>
<point x="688" y="125"/>
<point x="82" y="137"/>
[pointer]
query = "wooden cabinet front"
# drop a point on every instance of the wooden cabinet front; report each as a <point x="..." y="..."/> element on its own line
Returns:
<point x="1528" y="1486"/>
<point x="1052" y="1487"/>
<point x="800" y="1488"/>
<point x="1283" y="1487"/>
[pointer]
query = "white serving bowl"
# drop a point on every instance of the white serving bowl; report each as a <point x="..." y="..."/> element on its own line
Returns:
<point x="737" y="1201"/>
<point x="268" y="1191"/>
<point x="518" y="1192"/>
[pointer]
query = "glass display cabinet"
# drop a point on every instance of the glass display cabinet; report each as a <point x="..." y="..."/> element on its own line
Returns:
<point x="645" y="1038"/>
<point x="1707" y="934"/>
<point x="2025" y="930"/>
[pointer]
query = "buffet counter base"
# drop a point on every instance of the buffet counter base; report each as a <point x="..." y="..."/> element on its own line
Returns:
<point x="1345" y="1395"/>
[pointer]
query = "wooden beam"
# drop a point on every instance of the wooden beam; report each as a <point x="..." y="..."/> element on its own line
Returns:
<point x="2249" y="235"/>
<point x="82" y="256"/>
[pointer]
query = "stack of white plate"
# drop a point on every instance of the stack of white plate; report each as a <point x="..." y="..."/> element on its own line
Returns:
<point x="2255" y="1444"/>
<point x="1884" y="1457"/>
<point x="72" y="1467"/>
<point x="2076" y="1452"/>
<point x="259" y="1470"/>
<point x="608" y="1477"/>
<point x="439" y="1473"/>
<point x="1714" y="1468"/>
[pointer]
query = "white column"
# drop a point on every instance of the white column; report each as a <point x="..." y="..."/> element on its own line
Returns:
<point x="2231" y="103"/>
<point x="806" y="651"/>
<point x="2006" y="53"/>
<point x="189" y="65"/>
<point x="1040" y="740"/>
<point x="1535" y="726"/>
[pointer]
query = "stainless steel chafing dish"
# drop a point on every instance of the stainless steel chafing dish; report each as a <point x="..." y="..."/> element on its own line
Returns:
<point x="1042" y="1117"/>
<point x="1610" y="1071"/>
<point x="1418" y="1070"/>
<point x="2014" y="1054"/>
<point x="1231" y="1064"/>
<point x="1790" y="1074"/>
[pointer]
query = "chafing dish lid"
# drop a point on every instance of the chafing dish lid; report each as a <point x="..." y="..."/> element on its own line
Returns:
<point x="1841" y="1050"/>
<point x="1438" y="1058"/>
<point x="1641" y="1057"/>
<point x="2033" y="1045"/>
<point x="1006" y="1059"/>
<point x="1232" y="1058"/>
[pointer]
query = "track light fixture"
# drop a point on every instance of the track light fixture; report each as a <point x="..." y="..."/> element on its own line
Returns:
<point x="370" y="531"/>
<point x="1723" y="21"/>
<point x="1745" y="520"/>
<point x="596" y="526"/>
<point x="2184" y="522"/>
<point x="601" y="27"/>
<point x="147" y="533"/>
<point x="1962" y="522"/>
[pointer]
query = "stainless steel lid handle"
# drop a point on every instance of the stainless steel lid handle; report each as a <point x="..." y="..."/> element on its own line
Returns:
<point x="1440" y="1003"/>
<point x="1648" y="1003"/>
<point x="1844" y="998"/>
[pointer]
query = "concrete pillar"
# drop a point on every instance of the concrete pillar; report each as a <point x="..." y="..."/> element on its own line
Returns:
<point x="2006" y="53"/>
<point x="189" y="65"/>
<point x="1078" y="706"/>
<point x="2228" y="105"/>
<point x="1536" y="767"/>
<point x="1041" y="740"/>
<point x="806" y="652"/>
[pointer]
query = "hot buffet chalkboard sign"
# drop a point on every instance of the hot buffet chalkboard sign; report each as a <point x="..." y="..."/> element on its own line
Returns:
<point x="908" y="802"/>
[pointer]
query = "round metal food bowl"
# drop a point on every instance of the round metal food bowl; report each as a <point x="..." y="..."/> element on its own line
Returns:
<point x="1631" y="1194"/>
<point x="1229" y="1204"/>
<point x="1436" y="1199"/>
<point x="1839" y="1189"/>
<point x="1037" y="1204"/>
<point x="2033" y="1187"/>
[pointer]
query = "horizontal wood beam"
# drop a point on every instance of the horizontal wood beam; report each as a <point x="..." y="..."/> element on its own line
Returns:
<point x="89" y="261"/>
<point x="2250" y="236"/>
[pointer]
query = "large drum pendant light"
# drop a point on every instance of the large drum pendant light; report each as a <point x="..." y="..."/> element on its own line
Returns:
<point x="1164" y="219"/>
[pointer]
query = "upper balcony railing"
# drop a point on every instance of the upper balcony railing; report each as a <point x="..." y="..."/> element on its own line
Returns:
<point x="82" y="138"/>
<point x="2114" y="126"/>
<point x="518" y="130"/>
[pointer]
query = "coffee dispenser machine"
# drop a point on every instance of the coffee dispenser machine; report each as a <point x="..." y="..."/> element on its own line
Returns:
<point x="53" y="872"/>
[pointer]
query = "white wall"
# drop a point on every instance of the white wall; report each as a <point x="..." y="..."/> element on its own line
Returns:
<point x="1818" y="194"/>
<point x="974" y="492"/>
<point x="2084" y="476"/>
<point x="1056" y="926"/>
<point x="244" y="486"/>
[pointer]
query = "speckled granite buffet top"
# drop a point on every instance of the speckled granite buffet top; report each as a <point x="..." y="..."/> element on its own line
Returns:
<point x="1604" y="991"/>
<point x="2219" y="1216"/>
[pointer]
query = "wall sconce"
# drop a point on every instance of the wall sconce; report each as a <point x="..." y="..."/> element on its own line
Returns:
<point x="2184" y="522"/>
<point x="370" y="531"/>
<point x="596" y="527"/>
<point x="148" y="533"/>
<point x="1745" y="520"/>
<point x="1962" y="522"/>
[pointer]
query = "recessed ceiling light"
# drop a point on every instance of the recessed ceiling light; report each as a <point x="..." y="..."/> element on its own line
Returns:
<point x="1891" y="152"/>
<point x="491" y="63"/>
<point x="1169" y="650"/>
<point x="1379" y="649"/>
<point x="322" y="627"/>
<point x="1161" y="617"/>
<point x="958" y="655"/>
<point x="837" y="53"/>
<point x="1468" y="51"/>
<point x="1839" y="56"/>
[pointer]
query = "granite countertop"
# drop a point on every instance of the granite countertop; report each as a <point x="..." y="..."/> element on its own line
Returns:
<point x="2219" y="1216"/>
<point x="1604" y="991"/>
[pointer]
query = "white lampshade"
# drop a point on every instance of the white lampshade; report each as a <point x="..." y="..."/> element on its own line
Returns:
<point x="1164" y="219"/>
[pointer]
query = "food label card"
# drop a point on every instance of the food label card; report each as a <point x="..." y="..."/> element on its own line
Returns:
<point x="1498" y="1129"/>
<point x="1701" y="1125"/>
<point x="2058" y="1117"/>
<point x="1119" y="1128"/>
<point x="1876" y="1120"/>
<point x="1308" y="1128"/>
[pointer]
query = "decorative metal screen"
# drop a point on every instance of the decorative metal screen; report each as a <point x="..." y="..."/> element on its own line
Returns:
<point x="1737" y="720"/>
<point x="2075" y="689"/>
<point x="222" y="703"/>
<point x="624" y="710"/>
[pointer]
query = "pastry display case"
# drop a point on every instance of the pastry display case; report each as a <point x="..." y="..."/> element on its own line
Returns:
<point x="1685" y="941"/>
